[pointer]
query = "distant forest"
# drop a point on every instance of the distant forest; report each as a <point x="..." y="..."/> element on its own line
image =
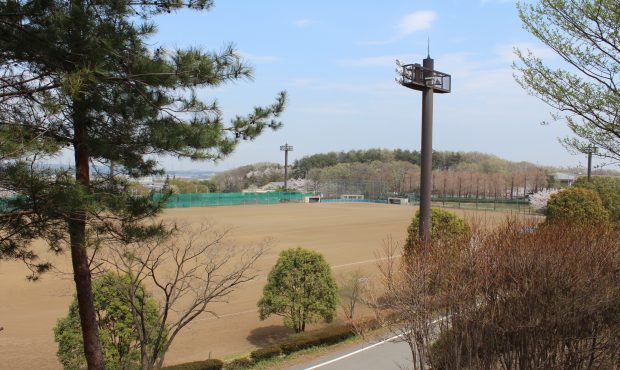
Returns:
<point x="379" y="171"/>
<point x="442" y="160"/>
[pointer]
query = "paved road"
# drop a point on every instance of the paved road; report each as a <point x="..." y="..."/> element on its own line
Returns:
<point x="382" y="354"/>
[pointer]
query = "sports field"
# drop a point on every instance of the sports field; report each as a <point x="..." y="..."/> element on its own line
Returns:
<point x="350" y="236"/>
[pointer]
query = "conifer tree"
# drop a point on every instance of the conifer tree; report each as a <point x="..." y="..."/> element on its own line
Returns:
<point x="78" y="75"/>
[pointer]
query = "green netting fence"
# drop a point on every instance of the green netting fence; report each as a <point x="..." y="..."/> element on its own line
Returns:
<point x="229" y="199"/>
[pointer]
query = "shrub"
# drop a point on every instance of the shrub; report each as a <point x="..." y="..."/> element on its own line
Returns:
<point x="326" y="336"/>
<point x="239" y="363"/>
<point x="608" y="189"/>
<point x="300" y="341"/>
<point x="266" y="353"/>
<point x="210" y="364"/>
<point x="445" y="227"/>
<point x="576" y="205"/>
<point x="117" y="327"/>
<point x="300" y="288"/>
<point x="549" y="299"/>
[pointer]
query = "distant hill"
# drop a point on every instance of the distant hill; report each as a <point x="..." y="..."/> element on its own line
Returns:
<point x="442" y="160"/>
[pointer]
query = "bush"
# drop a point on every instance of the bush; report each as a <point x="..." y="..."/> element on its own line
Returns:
<point x="117" y="327"/>
<point x="608" y="189"/>
<point x="210" y="364"/>
<point x="326" y="336"/>
<point x="266" y="353"/>
<point x="239" y="363"/>
<point x="297" y="342"/>
<point x="445" y="227"/>
<point x="576" y="205"/>
<point x="549" y="299"/>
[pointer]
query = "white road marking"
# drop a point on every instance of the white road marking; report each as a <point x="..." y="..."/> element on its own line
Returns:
<point x="365" y="348"/>
<point x="363" y="262"/>
<point x="353" y="353"/>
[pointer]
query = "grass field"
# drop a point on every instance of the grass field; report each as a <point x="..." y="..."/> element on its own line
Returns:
<point x="350" y="235"/>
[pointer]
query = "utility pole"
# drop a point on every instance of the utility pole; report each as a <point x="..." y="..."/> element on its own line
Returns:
<point x="286" y="148"/>
<point x="424" y="78"/>
<point x="589" y="150"/>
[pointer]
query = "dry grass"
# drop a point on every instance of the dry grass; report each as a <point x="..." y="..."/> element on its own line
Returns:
<point x="348" y="235"/>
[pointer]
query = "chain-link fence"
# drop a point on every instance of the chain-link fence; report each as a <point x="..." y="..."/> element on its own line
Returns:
<point x="229" y="199"/>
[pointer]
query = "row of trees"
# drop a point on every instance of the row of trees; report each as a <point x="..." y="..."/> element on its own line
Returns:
<point x="376" y="179"/>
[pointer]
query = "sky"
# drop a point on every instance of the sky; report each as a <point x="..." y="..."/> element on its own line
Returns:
<point x="336" y="60"/>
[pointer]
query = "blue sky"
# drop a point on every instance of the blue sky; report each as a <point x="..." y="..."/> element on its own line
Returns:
<point x="336" y="60"/>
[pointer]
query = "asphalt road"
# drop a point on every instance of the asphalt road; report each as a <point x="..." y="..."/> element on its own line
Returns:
<point x="382" y="354"/>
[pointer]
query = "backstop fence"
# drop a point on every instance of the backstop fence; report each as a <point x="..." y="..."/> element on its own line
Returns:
<point x="229" y="199"/>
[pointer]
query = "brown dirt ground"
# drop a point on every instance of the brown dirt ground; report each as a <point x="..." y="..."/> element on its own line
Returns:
<point x="349" y="235"/>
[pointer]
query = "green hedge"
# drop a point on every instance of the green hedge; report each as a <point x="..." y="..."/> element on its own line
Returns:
<point x="297" y="342"/>
<point x="239" y="363"/>
<point x="265" y="353"/>
<point x="211" y="364"/>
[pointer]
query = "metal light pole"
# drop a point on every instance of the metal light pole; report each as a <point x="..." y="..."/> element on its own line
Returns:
<point x="424" y="78"/>
<point x="589" y="150"/>
<point x="286" y="148"/>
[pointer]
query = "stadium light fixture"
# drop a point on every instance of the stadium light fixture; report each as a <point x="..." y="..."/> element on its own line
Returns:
<point x="589" y="150"/>
<point x="286" y="148"/>
<point x="426" y="79"/>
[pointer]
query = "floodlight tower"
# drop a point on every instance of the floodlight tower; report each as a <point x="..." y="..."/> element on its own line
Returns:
<point x="589" y="150"/>
<point x="286" y="148"/>
<point x="424" y="78"/>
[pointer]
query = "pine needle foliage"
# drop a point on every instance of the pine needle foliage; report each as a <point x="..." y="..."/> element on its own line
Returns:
<point x="79" y="75"/>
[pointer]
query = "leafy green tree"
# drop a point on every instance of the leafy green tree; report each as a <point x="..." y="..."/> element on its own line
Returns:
<point x="445" y="227"/>
<point x="585" y="92"/>
<point x="300" y="288"/>
<point x="80" y="75"/>
<point x="576" y="205"/>
<point x="608" y="189"/>
<point x="117" y="327"/>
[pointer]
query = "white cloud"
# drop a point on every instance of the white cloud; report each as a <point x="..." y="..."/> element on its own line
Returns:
<point x="303" y="23"/>
<point x="417" y="21"/>
<point x="411" y="23"/>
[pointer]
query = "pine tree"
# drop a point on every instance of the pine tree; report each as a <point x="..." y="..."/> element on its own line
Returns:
<point x="78" y="75"/>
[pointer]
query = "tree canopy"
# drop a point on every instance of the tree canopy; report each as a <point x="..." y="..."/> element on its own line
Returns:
<point x="584" y="88"/>
<point x="446" y="227"/>
<point x="608" y="189"/>
<point x="300" y="288"/>
<point x="577" y="205"/>
<point x="80" y="76"/>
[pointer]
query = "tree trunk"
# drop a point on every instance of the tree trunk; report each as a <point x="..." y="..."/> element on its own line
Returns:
<point x="79" y="256"/>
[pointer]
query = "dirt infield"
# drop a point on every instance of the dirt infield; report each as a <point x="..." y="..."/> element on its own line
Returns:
<point x="349" y="236"/>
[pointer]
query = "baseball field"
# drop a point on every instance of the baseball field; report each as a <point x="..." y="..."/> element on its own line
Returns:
<point x="349" y="235"/>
